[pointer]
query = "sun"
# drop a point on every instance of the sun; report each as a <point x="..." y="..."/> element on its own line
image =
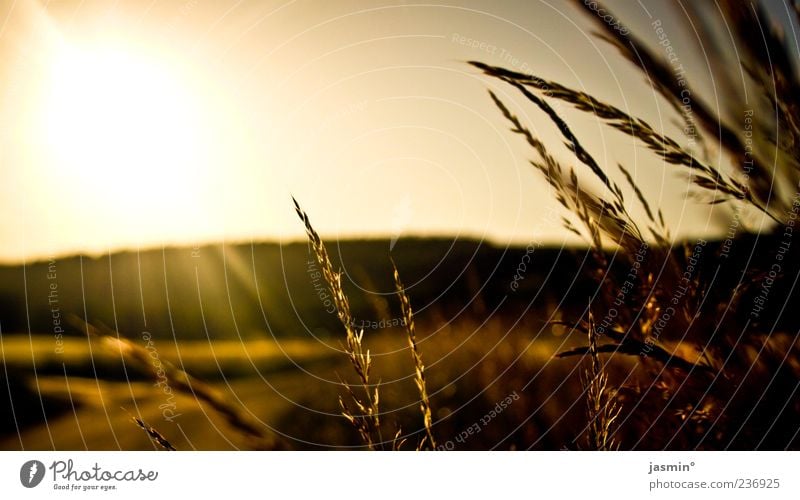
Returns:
<point x="118" y="123"/>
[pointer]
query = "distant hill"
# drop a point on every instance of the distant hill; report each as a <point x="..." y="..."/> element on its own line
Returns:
<point x="246" y="290"/>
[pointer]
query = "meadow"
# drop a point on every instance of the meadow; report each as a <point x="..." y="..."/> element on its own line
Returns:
<point x="84" y="389"/>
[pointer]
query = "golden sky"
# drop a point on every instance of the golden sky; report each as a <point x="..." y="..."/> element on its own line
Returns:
<point x="140" y="123"/>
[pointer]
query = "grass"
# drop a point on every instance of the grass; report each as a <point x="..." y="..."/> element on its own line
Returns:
<point x="660" y="301"/>
<point x="675" y="336"/>
<point x="602" y="407"/>
<point x="664" y="302"/>
<point x="178" y="381"/>
<point x="153" y="434"/>
<point x="419" y="367"/>
<point x="367" y="419"/>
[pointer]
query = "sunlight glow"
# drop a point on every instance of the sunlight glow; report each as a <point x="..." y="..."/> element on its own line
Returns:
<point x="119" y="122"/>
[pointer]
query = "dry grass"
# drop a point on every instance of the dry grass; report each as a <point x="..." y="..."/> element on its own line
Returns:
<point x="665" y="304"/>
<point x="367" y="419"/>
<point x="710" y="178"/>
<point x="153" y="434"/>
<point x="419" y="367"/>
<point x="603" y="409"/>
<point x="182" y="382"/>
<point x="771" y="69"/>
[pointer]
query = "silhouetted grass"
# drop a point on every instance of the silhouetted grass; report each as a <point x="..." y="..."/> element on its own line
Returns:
<point x="699" y="340"/>
<point x="367" y="419"/>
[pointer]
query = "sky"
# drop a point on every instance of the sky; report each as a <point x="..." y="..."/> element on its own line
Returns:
<point x="135" y="124"/>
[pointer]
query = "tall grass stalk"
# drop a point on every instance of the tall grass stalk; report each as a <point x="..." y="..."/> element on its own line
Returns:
<point x="419" y="367"/>
<point x="602" y="407"/>
<point x="366" y="419"/>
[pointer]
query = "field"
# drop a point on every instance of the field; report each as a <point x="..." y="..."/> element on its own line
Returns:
<point x="283" y="381"/>
<point x="279" y="388"/>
